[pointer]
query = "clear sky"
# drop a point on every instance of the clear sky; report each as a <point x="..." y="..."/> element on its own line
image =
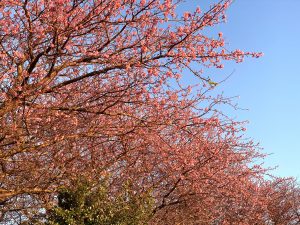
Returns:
<point x="270" y="86"/>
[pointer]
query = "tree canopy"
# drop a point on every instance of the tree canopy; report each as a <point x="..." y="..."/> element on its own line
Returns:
<point x="93" y="87"/>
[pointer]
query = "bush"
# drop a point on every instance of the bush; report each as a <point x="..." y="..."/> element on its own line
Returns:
<point x="93" y="204"/>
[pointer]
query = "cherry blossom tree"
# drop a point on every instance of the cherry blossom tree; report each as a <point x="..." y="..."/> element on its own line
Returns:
<point x="283" y="201"/>
<point x="92" y="87"/>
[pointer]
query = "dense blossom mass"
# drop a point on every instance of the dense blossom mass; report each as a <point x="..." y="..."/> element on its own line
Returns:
<point x="92" y="88"/>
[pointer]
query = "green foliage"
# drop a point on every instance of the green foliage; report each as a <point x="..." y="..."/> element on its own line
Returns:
<point x="87" y="204"/>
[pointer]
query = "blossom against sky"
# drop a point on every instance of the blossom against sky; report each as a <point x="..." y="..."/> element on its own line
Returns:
<point x="269" y="86"/>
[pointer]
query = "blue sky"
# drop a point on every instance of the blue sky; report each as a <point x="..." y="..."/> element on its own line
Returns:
<point x="270" y="86"/>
